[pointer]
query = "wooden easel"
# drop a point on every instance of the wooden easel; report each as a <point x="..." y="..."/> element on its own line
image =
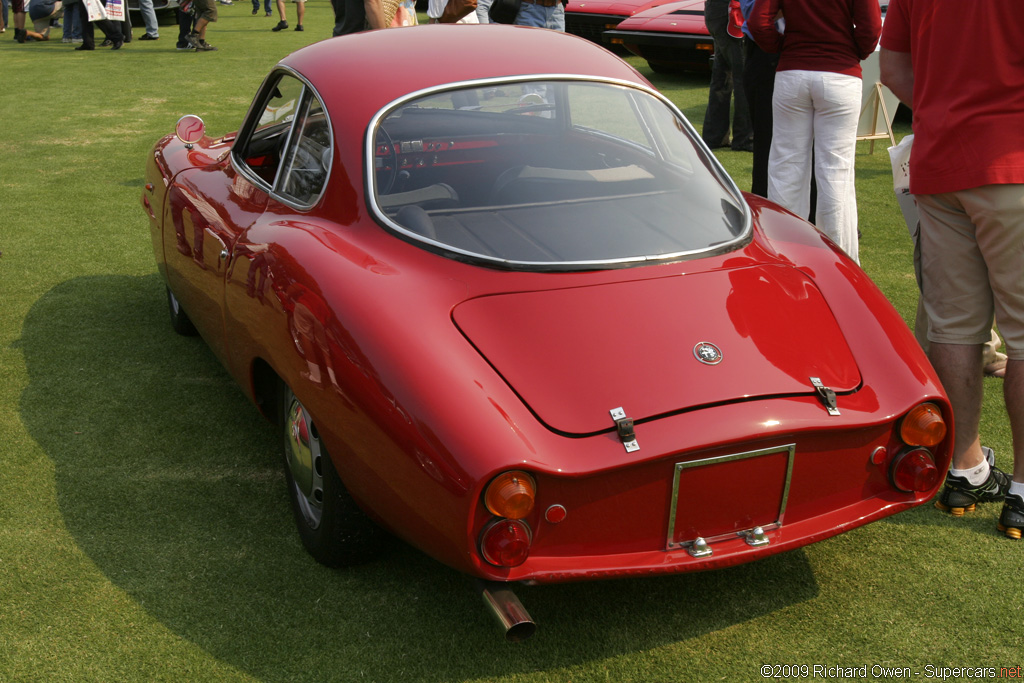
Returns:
<point x="876" y="101"/>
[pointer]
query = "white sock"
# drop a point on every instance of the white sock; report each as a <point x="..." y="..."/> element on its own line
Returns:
<point x="1016" y="489"/>
<point x="975" y="476"/>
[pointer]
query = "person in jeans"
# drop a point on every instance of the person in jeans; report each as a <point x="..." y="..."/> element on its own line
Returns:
<point x="968" y="181"/>
<point x="72" y="23"/>
<point x="186" y="24"/>
<point x="816" y="104"/>
<point x="149" y="19"/>
<point x="542" y="14"/>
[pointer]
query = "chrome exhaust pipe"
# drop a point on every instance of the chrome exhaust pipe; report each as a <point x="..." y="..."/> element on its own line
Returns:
<point x="511" y="614"/>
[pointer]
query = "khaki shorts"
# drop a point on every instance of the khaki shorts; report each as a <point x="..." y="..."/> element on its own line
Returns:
<point x="972" y="265"/>
<point x="206" y="9"/>
<point x="43" y="25"/>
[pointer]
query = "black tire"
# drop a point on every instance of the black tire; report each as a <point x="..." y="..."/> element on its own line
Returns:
<point x="660" y="68"/>
<point x="333" y="529"/>
<point x="180" y="321"/>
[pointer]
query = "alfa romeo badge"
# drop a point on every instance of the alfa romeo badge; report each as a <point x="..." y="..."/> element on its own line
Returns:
<point x="707" y="353"/>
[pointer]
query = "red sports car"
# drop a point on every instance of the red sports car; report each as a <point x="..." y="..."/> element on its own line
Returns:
<point x="520" y="317"/>
<point x="671" y="37"/>
<point x="591" y="18"/>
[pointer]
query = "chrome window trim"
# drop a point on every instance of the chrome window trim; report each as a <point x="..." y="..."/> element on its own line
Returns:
<point x="249" y="125"/>
<point x="716" y="167"/>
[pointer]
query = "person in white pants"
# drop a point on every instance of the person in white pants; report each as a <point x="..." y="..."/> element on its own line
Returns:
<point x="817" y="111"/>
<point x="816" y="104"/>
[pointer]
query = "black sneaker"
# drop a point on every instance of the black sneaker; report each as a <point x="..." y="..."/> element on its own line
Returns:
<point x="281" y="25"/>
<point x="205" y="47"/>
<point x="193" y="39"/>
<point x="299" y="27"/>
<point x="1011" y="521"/>
<point x="959" y="495"/>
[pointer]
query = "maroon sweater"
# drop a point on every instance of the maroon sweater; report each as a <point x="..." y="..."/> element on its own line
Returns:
<point x="821" y="35"/>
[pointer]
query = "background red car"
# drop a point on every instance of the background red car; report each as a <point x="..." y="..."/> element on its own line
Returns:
<point x="671" y="37"/>
<point x="591" y="18"/>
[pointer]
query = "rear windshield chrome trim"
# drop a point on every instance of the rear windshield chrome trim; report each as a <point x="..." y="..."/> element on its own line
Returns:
<point x="715" y="166"/>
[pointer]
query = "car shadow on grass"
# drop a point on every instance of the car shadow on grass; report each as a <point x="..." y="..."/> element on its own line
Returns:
<point x="169" y="479"/>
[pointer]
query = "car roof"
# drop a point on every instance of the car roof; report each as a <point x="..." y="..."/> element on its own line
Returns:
<point x="359" y="74"/>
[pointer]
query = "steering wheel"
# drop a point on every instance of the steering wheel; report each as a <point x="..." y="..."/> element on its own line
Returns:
<point x="388" y="160"/>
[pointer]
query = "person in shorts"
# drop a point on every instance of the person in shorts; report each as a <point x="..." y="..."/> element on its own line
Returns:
<point x="18" y="12"/>
<point x="42" y="12"/>
<point x="967" y="176"/>
<point x="300" y="12"/>
<point x="206" y="13"/>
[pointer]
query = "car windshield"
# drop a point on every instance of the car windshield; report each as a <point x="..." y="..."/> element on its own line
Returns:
<point x="551" y="174"/>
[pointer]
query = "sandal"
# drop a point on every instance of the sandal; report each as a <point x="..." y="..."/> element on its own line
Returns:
<point x="996" y="368"/>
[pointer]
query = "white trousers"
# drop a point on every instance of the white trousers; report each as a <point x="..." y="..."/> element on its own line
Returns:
<point x="817" y="110"/>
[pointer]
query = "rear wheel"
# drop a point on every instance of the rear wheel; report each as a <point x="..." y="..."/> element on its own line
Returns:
<point x="180" y="321"/>
<point x="332" y="527"/>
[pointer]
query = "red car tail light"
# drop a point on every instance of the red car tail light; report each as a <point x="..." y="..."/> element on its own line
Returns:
<point x="923" y="426"/>
<point x="506" y="543"/>
<point x="511" y="495"/>
<point x="914" y="470"/>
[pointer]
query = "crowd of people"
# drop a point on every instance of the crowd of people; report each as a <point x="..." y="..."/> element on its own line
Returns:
<point x="194" y="17"/>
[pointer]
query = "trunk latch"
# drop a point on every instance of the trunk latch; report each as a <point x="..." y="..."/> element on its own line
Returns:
<point x="827" y="396"/>
<point x="624" y="426"/>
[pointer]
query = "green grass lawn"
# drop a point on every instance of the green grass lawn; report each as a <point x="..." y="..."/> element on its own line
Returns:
<point x="145" y="533"/>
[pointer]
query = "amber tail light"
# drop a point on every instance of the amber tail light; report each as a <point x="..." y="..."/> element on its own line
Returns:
<point x="511" y="495"/>
<point x="506" y="542"/>
<point x="914" y="470"/>
<point x="923" y="426"/>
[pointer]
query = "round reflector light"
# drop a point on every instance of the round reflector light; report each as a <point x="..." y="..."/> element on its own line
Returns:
<point x="506" y="543"/>
<point x="511" y="495"/>
<point x="914" y="470"/>
<point x="555" y="514"/>
<point x="923" y="426"/>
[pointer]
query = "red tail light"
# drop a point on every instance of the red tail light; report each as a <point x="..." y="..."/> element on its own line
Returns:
<point x="914" y="470"/>
<point x="506" y="543"/>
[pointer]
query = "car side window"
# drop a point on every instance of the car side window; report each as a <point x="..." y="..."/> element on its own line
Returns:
<point x="288" y="145"/>
<point x="309" y="154"/>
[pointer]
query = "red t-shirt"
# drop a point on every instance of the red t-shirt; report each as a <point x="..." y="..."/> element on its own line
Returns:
<point x="968" y="58"/>
<point x="821" y="35"/>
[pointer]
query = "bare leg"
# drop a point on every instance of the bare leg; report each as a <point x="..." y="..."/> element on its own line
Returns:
<point x="281" y="11"/>
<point x="1013" y="393"/>
<point x="300" y="9"/>
<point x="959" y="370"/>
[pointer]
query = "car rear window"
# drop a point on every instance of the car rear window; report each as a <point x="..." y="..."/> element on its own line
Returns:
<point x="551" y="174"/>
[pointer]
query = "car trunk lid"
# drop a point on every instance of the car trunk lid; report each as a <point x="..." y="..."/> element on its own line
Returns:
<point x="660" y="346"/>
